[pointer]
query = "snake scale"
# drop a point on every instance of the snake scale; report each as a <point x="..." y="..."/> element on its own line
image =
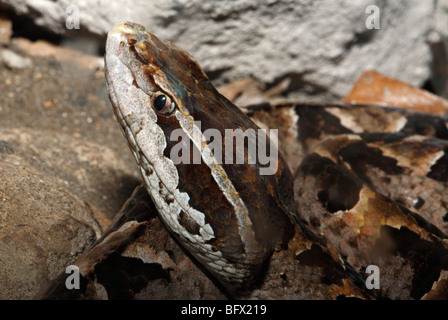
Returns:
<point x="354" y="186"/>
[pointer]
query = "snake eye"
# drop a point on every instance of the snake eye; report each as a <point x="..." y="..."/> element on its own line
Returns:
<point x="163" y="104"/>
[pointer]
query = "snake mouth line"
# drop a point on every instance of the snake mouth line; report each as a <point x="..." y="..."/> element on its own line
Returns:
<point x="147" y="168"/>
<point x="220" y="266"/>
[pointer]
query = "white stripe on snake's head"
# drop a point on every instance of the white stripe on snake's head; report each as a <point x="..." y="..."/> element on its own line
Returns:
<point x="131" y="92"/>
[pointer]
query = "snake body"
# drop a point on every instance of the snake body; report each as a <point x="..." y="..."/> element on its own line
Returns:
<point x="367" y="181"/>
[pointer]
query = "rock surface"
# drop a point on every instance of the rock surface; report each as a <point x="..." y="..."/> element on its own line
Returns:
<point x="63" y="172"/>
<point x="42" y="227"/>
<point x="51" y="187"/>
<point x="321" y="46"/>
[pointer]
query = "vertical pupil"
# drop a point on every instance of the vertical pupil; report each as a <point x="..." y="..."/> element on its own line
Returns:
<point x="159" y="102"/>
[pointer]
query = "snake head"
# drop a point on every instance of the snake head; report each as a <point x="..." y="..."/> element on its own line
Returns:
<point x="228" y="215"/>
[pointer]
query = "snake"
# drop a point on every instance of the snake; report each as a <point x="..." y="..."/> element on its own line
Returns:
<point x="227" y="215"/>
<point x="353" y="185"/>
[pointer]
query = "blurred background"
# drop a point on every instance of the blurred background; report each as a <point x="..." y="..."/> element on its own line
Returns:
<point x="321" y="47"/>
<point x="65" y="169"/>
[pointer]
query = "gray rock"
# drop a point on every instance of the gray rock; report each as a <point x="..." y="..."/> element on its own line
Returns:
<point x="42" y="228"/>
<point x="45" y="221"/>
<point x="323" y="46"/>
<point x="441" y="18"/>
<point x="64" y="166"/>
<point x="14" y="61"/>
